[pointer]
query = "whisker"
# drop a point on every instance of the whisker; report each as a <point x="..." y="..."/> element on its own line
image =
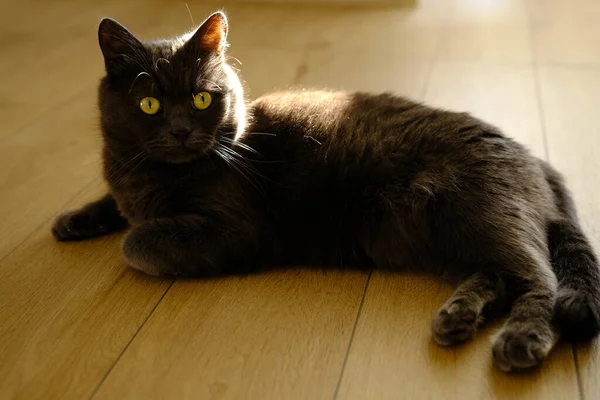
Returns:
<point x="209" y="81"/>
<point x="131" y="171"/>
<point x="313" y="139"/>
<point x="236" y="59"/>
<point x="136" y="78"/>
<point x="160" y="59"/>
<point x="189" y="12"/>
<point x="122" y="165"/>
<point x="235" y="163"/>
<point x="242" y="145"/>
<point x="249" y="167"/>
<point x="260" y="133"/>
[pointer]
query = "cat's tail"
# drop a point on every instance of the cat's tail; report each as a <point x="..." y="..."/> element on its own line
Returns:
<point x="577" y="307"/>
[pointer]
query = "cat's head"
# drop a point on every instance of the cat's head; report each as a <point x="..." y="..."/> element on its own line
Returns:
<point x="170" y="99"/>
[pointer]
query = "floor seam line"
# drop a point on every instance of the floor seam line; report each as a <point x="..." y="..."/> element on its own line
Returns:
<point x="537" y="84"/>
<point x="577" y="372"/>
<point x="435" y="59"/>
<point x="351" y="341"/>
<point x="133" y="337"/>
<point x="46" y="220"/>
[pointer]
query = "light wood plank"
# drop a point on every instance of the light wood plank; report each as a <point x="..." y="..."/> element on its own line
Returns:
<point x="393" y="356"/>
<point x="503" y="95"/>
<point x="280" y="335"/>
<point x="566" y="32"/>
<point x="374" y="71"/>
<point x="570" y="99"/>
<point x="45" y="165"/>
<point x="488" y="31"/>
<point x="47" y="68"/>
<point x="408" y="34"/>
<point x="67" y="313"/>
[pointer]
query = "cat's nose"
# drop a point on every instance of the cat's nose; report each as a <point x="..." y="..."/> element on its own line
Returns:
<point x="181" y="132"/>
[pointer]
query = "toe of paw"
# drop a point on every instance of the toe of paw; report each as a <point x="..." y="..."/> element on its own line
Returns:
<point x="62" y="229"/>
<point x="71" y="226"/>
<point x="449" y="329"/>
<point x="521" y="350"/>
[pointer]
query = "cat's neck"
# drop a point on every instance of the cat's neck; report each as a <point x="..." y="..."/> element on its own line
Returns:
<point x="122" y="167"/>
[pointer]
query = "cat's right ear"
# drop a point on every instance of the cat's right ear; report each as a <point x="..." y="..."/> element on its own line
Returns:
<point x="118" y="46"/>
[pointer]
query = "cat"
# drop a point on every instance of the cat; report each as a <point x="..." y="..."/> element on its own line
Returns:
<point x="208" y="185"/>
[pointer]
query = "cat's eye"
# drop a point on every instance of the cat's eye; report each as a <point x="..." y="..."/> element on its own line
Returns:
<point x="202" y="100"/>
<point x="149" y="105"/>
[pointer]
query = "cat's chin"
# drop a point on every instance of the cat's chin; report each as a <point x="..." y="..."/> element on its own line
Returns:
<point x="180" y="155"/>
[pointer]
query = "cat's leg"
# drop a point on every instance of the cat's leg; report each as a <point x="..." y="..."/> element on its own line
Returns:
<point x="185" y="246"/>
<point x="458" y="319"/>
<point x="528" y="335"/>
<point x="94" y="219"/>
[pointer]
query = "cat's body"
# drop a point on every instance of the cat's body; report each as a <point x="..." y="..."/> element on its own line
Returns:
<point x="335" y="179"/>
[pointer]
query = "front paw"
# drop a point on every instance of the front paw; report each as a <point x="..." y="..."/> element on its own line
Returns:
<point x="159" y="249"/>
<point x="77" y="226"/>
<point x="138" y="254"/>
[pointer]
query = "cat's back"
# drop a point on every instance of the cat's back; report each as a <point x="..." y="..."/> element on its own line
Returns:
<point x="373" y="126"/>
<point x="358" y="116"/>
<point x="365" y="138"/>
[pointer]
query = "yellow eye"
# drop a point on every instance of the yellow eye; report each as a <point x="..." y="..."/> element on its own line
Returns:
<point x="202" y="100"/>
<point x="149" y="105"/>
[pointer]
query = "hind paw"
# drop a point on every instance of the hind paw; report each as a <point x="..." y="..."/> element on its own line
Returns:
<point x="455" y="323"/>
<point x="522" y="345"/>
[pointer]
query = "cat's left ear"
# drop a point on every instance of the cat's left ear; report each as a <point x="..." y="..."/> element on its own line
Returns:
<point x="118" y="46"/>
<point x="212" y="34"/>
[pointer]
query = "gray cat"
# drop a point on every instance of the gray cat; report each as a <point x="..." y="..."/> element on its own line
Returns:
<point x="210" y="186"/>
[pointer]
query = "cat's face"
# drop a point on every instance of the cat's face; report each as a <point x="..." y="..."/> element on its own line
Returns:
<point x="170" y="99"/>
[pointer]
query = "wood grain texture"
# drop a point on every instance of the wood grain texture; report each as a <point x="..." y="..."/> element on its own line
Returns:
<point x="503" y="95"/>
<point x="570" y="98"/>
<point x="394" y="357"/>
<point x="45" y="166"/>
<point x="67" y="313"/>
<point x="280" y="335"/>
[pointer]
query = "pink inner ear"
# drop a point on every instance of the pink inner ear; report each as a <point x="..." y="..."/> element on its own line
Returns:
<point x="213" y="40"/>
<point x="213" y="33"/>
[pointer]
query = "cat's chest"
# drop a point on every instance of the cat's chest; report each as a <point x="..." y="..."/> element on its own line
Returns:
<point x="147" y="199"/>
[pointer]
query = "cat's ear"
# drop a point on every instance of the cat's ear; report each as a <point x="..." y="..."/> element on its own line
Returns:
<point x="212" y="34"/>
<point x="118" y="45"/>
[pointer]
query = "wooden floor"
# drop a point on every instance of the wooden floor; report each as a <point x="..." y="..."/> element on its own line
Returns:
<point x="76" y="323"/>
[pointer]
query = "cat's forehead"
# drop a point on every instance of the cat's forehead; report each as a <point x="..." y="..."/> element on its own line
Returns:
<point x="167" y="53"/>
<point x="178" y="70"/>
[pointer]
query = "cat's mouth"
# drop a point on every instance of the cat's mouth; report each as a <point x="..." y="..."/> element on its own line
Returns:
<point x="183" y="152"/>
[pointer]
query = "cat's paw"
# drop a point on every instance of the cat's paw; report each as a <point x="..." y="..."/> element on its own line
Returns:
<point x="77" y="226"/>
<point x="139" y="249"/>
<point x="523" y="345"/>
<point x="162" y="248"/>
<point x="455" y="323"/>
